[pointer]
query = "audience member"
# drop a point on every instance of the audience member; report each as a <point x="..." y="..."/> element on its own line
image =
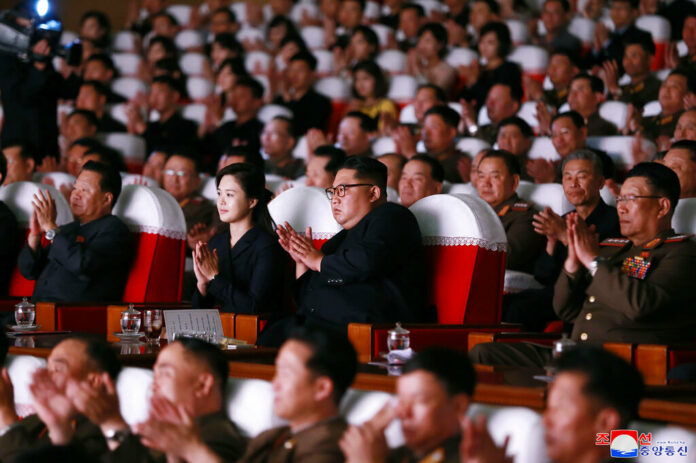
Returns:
<point x="239" y="154"/>
<point x="582" y="181"/>
<point x="154" y="166"/>
<point x="427" y="96"/>
<point x="421" y="176"/>
<point x="100" y="67"/>
<point x="644" y="86"/>
<point x="56" y="421"/>
<point x="686" y="126"/>
<point x="681" y="158"/>
<point x="278" y="142"/>
<point x="88" y="259"/>
<point x="503" y="101"/>
<point x="610" y="46"/>
<point x="171" y="130"/>
<point x="311" y="109"/>
<point x="80" y="123"/>
<point x="243" y="267"/>
<point x="515" y="136"/>
<point x="93" y="97"/>
<point x="482" y="12"/>
<point x="323" y="166"/>
<point x="19" y="161"/>
<point x="425" y="61"/>
<point x="190" y="376"/>
<point x="369" y="90"/>
<point x="563" y="65"/>
<point x="410" y="20"/>
<point x="395" y="165"/>
<point x="498" y="178"/>
<point x="8" y="250"/>
<point x="75" y="152"/>
<point x="632" y="290"/>
<point x="555" y="16"/>
<point x="354" y="134"/>
<point x="366" y="273"/>
<point x="585" y="96"/>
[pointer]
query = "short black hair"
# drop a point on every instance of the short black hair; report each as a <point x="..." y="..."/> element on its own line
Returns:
<point x="26" y="150"/>
<point x="237" y="65"/>
<point x="4" y="343"/>
<point x="110" y="178"/>
<point x="231" y="16"/>
<point x="440" y="34"/>
<point x="515" y="88"/>
<point x="688" y="145"/>
<point x="86" y="142"/>
<point x="448" y="115"/>
<point x="307" y="57"/>
<point x="437" y="172"/>
<point x="420" y="11"/>
<point x="170" y="65"/>
<point x="502" y="33"/>
<point x="103" y="58"/>
<point x="336" y="157"/>
<point x="451" y="368"/>
<point x="332" y="355"/>
<point x="367" y="123"/>
<point x="492" y="5"/>
<point x="164" y="14"/>
<point x="570" y="54"/>
<point x="252" y="84"/>
<point x="188" y="154"/>
<point x="381" y="86"/>
<point x="661" y="178"/>
<point x="518" y="122"/>
<point x="440" y="95"/>
<point x="98" y="87"/>
<point x="370" y="37"/>
<point x="107" y="155"/>
<point x="610" y="379"/>
<point x="368" y="169"/>
<point x="167" y="43"/>
<point x="293" y="38"/>
<point x="170" y="81"/>
<point x="512" y="163"/>
<point x="645" y="41"/>
<point x="102" y="355"/>
<point x="632" y="3"/>
<point x="574" y="116"/>
<point x="596" y="84"/>
<point x="564" y="4"/>
<point x="104" y="23"/>
<point x="688" y="75"/>
<point x="361" y="2"/>
<point x="282" y="20"/>
<point x="289" y="124"/>
<point x="89" y="116"/>
<point x="211" y="356"/>
<point x="249" y="155"/>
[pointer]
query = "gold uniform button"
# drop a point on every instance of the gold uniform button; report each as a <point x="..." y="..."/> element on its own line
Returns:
<point x="588" y="316"/>
<point x="583" y="337"/>
<point x="591" y="299"/>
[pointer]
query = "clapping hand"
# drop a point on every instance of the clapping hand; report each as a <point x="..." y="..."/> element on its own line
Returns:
<point x="45" y="210"/>
<point x="585" y="240"/>
<point x="97" y="400"/>
<point x="541" y="170"/>
<point x="53" y="407"/>
<point x="551" y="225"/>
<point x="301" y="248"/>
<point x="477" y="446"/>
<point x="367" y="442"/>
<point x="205" y="264"/>
<point x="8" y="414"/>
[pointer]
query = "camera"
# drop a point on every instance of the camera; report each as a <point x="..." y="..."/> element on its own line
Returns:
<point x="22" y="27"/>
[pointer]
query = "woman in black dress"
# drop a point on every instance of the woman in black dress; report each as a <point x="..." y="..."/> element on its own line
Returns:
<point x="243" y="267"/>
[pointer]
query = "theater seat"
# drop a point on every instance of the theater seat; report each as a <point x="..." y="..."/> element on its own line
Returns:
<point x="313" y="37"/>
<point x="542" y="148"/>
<point x="188" y="40"/>
<point x="304" y="9"/>
<point x="383" y="145"/>
<point x="460" y="56"/>
<point x="660" y="30"/>
<point x="408" y="115"/>
<point x="137" y="179"/>
<point x="182" y="13"/>
<point x="304" y="207"/>
<point x="199" y="88"/>
<point x="333" y="88"/>
<point x="461" y="188"/>
<point x="472" y="146"/>
<point x="392" y="61"/>
<point x="525" y="429"/>
<point x="257" y="62"/>
<point x="249" y="34"/>
<point x="269" y="111"/>
<point x="615" y="112"/>
<point x="127" y="64"/>
<point x="208" y="189"/>
<point x="518" y="31"/>
<point x="159" y="232"/>
<point x="131" y="147"/>
<point x="21" y="368"/>
<point x="126" y="41"/>
<point x="532" y="59"/>
<point x="195" y="112"/>
<point x="128" y="87"/>
<point x="56" y="179"/>
<point x="465" y="248"/>
<point x="193" y="64"/>
<point x="383" y="33"/>
<point x="620" y="149"/>
<point x="18" y="197"/>
<point x="545" y="195"/>
<point x="402" y="89"/>
<point x="684" y="218"/>
<point x="325" y="62"/>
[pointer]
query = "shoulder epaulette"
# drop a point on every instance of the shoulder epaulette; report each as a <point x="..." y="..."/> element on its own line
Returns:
<point x="521" y="206"/>
<point x="617" y="242"/>
<point x="678" y="238"/>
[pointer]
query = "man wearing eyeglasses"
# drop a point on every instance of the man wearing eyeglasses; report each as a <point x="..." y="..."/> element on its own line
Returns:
<point x="638" y="289"/>
<point x="371" y="271"/>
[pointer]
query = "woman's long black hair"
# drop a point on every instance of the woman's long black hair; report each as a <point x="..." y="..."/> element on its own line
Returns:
<point x="253" y="182"/>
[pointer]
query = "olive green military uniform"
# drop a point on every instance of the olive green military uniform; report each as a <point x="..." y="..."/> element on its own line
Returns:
<point x="197" y="210"/>
<point x="31" y="432"/>
<point x="639" y="294"/>
<point x="216" y="430"/>
<point x="555" y="98"/>
<point x="641" y="93"/>
<point x="524" y="244"/>
<point x="659" y="125"/>
<point x="316" y="444"/>
<point x="488" y="132"/>
<point x="448" y="452"/>
<point x="450" y="164"/>
<point x="600" y="127"/>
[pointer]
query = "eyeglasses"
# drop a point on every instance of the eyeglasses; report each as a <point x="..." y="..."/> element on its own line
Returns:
<point x="340" y="190"/>
<point x="631" y="198"/>
<point x="178" y="173"/>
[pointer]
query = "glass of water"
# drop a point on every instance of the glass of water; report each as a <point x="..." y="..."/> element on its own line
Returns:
<point x="130" y="320"/>
<point x="152" y="323"/>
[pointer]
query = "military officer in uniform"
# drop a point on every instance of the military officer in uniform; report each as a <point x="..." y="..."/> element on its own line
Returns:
<point x="644" y="86"/>
<point x="314" y="369"/>
<point x="638" y="289"/>
<point x="498" y="178"/>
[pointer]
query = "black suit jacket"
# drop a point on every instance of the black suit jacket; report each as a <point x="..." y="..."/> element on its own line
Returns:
<point x="614" y="49"/>
<point x="87" y="262"/>
<point x="175" y="133"/>
<point x="251" y="274"/>
<point x="372" y="273"/>
<point x="8" y="246"/>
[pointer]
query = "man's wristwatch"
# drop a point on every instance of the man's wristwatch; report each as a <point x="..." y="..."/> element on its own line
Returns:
<point x="51" y="234"/>
<point x="117" y="435"/>
<point x="592" y="267"/>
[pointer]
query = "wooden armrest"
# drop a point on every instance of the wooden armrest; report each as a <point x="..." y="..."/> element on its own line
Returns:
<point x="248" y="327"/>
<point x="655" y="360"/>
<point x="625" y="350"/>
<point x="537" y="338"/>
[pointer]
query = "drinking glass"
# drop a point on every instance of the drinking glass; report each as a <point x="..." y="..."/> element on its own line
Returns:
<point x="130" y="320"/>
<point x="152" y="323"/>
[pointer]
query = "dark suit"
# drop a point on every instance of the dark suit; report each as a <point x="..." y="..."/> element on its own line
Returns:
<point x="173" y="134"/>
<point x="31" y="432"/>
<point x="8" y="246"/>
<point x="616" y="305"/>
<point x="316" y="444"/>
<point x="232" y="134"/>
<point x="533" y="307"/>
<point x="251" y="274"/>
<point x="108" y="124"/>
<point x="372" y="273"/>
<point x="614" y="48"/>
<point x="446" y="452"/>
<point x="312" y="111"/>
<point x="524" y="244"/>
<point x="216" y="431"/>
<point x="87" y="262"/>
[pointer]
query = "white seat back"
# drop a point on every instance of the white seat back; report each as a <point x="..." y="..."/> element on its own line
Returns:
<point x="547" y="195"/>
<point x="193" y="64"/>
<point x="18" y="197"/>
<point x="127" y="64"/>
<point x="620" y="149"/>
<point x="269" y="111"/>
<point x="126" y="41"/>
<point x="199" y="88"/>
<point x="392" y="61"/>
<point x="402" y="88"/>
<point x="304" y="207"/>
<point x="684" y="218"/>
<point x="195" y="112"/>
<point x="542" y="148"/>
<point x="137" y="179"/>
<point x="313" y="37"/>
<point x="615" y="112"/>
<point x="189" y="39"/>
<point x="472" y="146"/>
<point x="182" y="13"/>
<point x="383" y="145"/>
<point x="334" y="88"/>
<point x="460" y="56"/>
<point x="128" y="87"/>
<point x="408" y="115"/>
<point x="131" y="147"/>
<point x="56" y="179"/>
